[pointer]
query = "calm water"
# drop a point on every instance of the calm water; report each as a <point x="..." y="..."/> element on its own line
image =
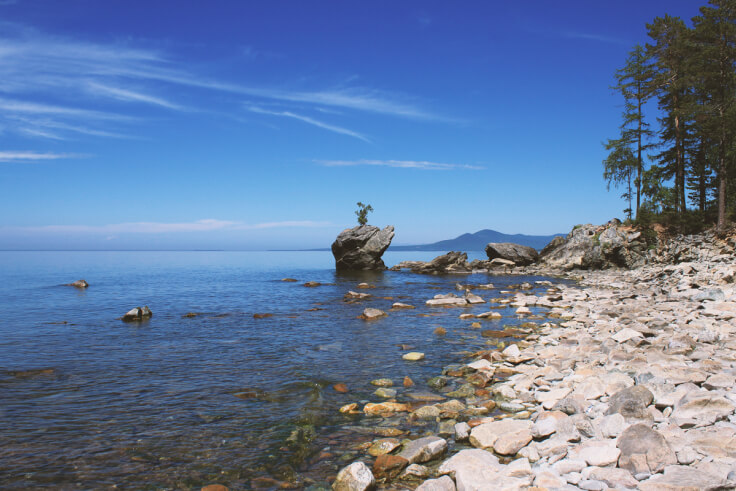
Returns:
<point x="153" y="405"/>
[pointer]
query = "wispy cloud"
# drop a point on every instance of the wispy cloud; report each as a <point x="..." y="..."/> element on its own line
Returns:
<point x="29" y="157"/>
<point x="206" y="225"/>
<point x="312" y="121"/>
<point x="401" y="164"/>
<point x="131" y="96"/>
<point x="596" y="37"/>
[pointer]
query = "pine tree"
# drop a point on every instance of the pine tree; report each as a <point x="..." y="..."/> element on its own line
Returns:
<point x="670" y="54"/>
<point x="634" y="81"/>
<point x="619" y="167"/>
<point x="715" y="41"/>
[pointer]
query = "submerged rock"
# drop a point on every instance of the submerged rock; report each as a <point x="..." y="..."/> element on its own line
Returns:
<point x="78" y="284"/>
<point x="137" y="314"/>
<point x="361" y="248"/>
<point x="424" y="449"/>
<point x="370" y="314"/>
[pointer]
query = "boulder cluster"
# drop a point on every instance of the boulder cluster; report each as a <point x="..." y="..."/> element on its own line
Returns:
<point x="630" y="384"/>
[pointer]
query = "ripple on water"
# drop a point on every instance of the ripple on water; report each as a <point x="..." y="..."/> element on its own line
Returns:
<point x="217" y="397"/>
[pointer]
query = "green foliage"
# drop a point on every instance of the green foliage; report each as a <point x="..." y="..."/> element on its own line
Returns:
<point x="362" y="213"/>
<point x="691" y="74"/>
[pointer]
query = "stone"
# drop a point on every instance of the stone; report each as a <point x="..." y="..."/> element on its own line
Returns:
<point x="415" y="470"/>
<point x="566" y="466"/>
<point x="518" y="254"/>
<point x="511" y="352"/>
<point x="214" y="487"/>
<point x="383" y="446"/>
<point x="349" y="408"/>
<point x="519" y="468"/>
<point x="440" y="331"/>
<point x="137" y="314"/>
<point x="399" y="305"/>
<point x="631" y="402"/>
<point x="424" y="449"/>
<point x="426" y="413"/>
<point x="351" y="295"/>
<point x="355" y="477"/>
<point x="475" y="470"/>
<point x="505" y="437"/>
<point x="342" y="388"/>
<point x="626" y="334"/>
<point x="382" y="382"/>
<point x="450" y="300"/>
<point x="548" y="480"/>
<point x="473" y="299"/>
<point x="612" y="426"/>
<point x="385" y="392"/>
<point x="407" y="382"/>
<point x="444" y="483"/>
<point x="413" y="356"/>
<point x="596" y="452"/>
<point x="641" y="439"/>
<point x="81" y="284"/>
<point x="481" y="364"/>
<point x="384" y="408"/>
<point x="452" y="262"/>
<point x="719" y="381"/>
<point x="614" y="478"/>
<point x="683" y="478"/>
<point x="389" y="466"/>
<point x="705" y="407"/>
<point x="361" y="248"/>
<point x="462" y="431"/>
<point x="370" y="314"/>
<point x="546" y="423"/>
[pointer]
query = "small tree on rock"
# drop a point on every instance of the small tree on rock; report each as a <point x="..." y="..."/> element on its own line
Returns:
<point x="362" y="213"/>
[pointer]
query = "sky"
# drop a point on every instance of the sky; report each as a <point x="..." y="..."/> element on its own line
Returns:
<point x="257" y="125"/>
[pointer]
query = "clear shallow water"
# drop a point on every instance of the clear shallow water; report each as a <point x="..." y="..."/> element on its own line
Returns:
<point x="152" y="404"/>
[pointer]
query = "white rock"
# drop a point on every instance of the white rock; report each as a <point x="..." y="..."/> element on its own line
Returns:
<point x="597" y="452"/>
<point x="511" y="351"/>
<point x="355" y="477"/>
<point x="444" y="483"/>
<point x="613" y="425"/>
<point x="626" y="334"/>
<point x="462" y="431"/>
<point x="505" y="437"/>
<point x="423" y="449"/>
<point x="481" y="364"/>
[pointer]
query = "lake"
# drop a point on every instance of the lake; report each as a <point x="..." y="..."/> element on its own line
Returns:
<point x="177" y="402"/>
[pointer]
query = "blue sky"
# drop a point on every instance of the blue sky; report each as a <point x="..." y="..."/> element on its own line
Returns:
<point x="250" y="125"/>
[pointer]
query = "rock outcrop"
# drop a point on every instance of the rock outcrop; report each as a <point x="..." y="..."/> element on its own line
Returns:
<point x="452" y="262"/>
<point x="81" y="284"/>
<point x="360" y="248"/>
<point x="597" y="247"/>
<point x="519" y="254"/>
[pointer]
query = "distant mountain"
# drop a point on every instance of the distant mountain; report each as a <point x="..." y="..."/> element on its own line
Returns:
<point x="478" y="242"/>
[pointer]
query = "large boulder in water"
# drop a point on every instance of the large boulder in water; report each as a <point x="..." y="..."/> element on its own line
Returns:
<point x="519" y="254"/>
<point x="361" y="247"/>
<point x="597" y="247"/>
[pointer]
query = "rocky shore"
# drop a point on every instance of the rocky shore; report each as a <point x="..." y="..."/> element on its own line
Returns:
<point x="630" y="383"/>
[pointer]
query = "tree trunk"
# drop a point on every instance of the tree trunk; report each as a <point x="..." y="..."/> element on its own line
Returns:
<point x="638" y="159"/>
